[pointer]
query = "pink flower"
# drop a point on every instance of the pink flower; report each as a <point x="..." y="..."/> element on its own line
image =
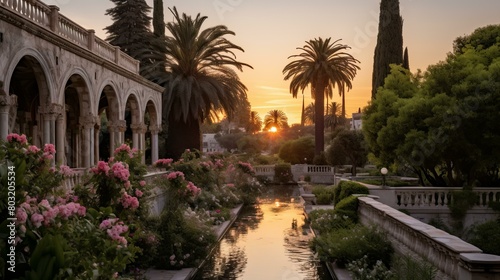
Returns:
<point x="123" y="148"/>
<point x="49" y="149"/>
<point x="21" y="215"/>
<point x="194" y="190"/>
<point x="174" y="175"/>
<point x="32" y="149"/>
<point x="65" y="170"/>
<point x="138" y="193"/>
<point x="230" y="185"/>
<point x="142" y="183"/>
<point x="37" y="219"/>
<point x="127" y="185"/>
<point x="107" y="223"/>
<point x="82" y="211"/>
<point x="129" y="201"/>
<point x="120" y="171"/>
<point x="164" y="162"/>
<point x="102" y="168"/>
<point x="14" y="137"/>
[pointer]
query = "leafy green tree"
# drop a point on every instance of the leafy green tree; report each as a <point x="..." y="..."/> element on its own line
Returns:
<point x="298" y="151"/>
<point x="275" y="118"/>
<point x="201" y="81"/>
<point x="389" y="48"/>
<point x="322" y="65"/>
<point x="229" y="141"/>
<point x="348" y="147"/>
<point x="252" y="144"/>
<point x="444" y="127"/>
<point x="131" y="32"/>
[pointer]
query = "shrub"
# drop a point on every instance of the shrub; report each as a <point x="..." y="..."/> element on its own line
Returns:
<point x="324" y="221"/>
<point x="361" y="270"/>
<point x="346" y="245"/>
<point x="348" y="207"/>
<point x="283" y="173"/>
<point x="487" y="237"/>
<point x="406" y="268"/>
<point x="347" y="188"/>
<point x="324" y="194"/>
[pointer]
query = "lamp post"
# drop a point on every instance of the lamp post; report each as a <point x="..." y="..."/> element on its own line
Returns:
<point x="383" y="171"/>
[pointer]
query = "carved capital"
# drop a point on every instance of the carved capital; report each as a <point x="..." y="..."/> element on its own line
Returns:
<point x="87" y="121"/>
<point x="139" y="128"/>
<point x="4" y="98"/>
<point x="155" y="129"/>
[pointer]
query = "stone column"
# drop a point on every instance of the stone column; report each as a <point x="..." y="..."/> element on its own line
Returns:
<point x="121" y="126"/>
<point x="87" y="124"/>
<point x="60" y="141"/>
<point x="136" y="127"/>
<point x="4" y="113"/>
<point x="154" y="142"/>
<point x="97" y="130"/>
<point x="113" y="129"/>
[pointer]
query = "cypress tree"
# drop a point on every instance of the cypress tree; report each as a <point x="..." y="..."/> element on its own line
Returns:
<point x="130" y="30"/>
<point x="389" y="49"/>
<point x="406" y="60"/>
<point x="158" y="18"/>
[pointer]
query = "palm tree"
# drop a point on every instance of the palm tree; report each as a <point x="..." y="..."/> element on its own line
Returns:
<point x="254" y="122"/>
<point x="276" y="118"/>
<point x="309" y="114"/>
<point x="333" y="115"/>
<point x="322" y="65"/>
<point x="201" y="80"/>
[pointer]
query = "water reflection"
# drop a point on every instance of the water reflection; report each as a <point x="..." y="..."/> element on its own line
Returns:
<point x="264" y="243"/>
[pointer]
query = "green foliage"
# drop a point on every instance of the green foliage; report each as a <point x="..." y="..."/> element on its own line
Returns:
<point x="229" y="141"/>
<point x="297" y="151"/>
<point x="409" y="268"/>
<point x="361" y="270"/>
<point x="47" y="259"/>
<point x="324" y="221"/>
<point x="348" y="207"/>
<point x="283" y="173"/>
<point x="347" y="188"/>
<point x="487" y="237"/>
<point x="251" y="144"/>
<point x="461" y="202"/>
<point x="346" y="245"/>
<point x="324" y="194"/>
<point x="348" y="147"/>
<point x="440" y="125"/>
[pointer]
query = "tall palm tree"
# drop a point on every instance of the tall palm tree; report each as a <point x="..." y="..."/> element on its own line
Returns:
<point x="322" y="65"/>
<point x="201" y="80"/>
<point x="276" y="118"/>
<point x="309" y="114"/>
<point x="333" y="115"/>
<point x="254" y="122"/>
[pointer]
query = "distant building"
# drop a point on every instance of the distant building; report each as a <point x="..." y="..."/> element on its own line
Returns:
<point x="356" y="121"/>
<point x="210" y="145"/>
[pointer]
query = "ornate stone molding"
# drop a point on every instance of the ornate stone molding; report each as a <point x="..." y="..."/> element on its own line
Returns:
<point x="139" y="128"/>
<point x="87" y="121"/>
<point x="155" y="129"/>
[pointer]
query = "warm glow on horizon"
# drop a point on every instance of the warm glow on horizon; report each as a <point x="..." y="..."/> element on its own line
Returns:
<point x="271" y="31"/>
<point x="273" y="129"/>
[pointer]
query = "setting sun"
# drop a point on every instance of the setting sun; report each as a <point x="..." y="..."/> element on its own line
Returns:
<point x="273" y="129"/>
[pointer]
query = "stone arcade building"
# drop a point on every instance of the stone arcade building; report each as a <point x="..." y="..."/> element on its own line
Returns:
<point x="65" y="86"/>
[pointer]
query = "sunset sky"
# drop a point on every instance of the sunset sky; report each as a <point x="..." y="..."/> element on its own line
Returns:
<point x="270" y="31"/>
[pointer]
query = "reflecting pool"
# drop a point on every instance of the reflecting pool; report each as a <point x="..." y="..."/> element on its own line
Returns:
<point x="267" y="241"/>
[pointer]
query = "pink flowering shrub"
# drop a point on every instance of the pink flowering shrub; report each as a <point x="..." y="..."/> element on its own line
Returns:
<point x="50" y="219"/>
<point x="163" y="163"/>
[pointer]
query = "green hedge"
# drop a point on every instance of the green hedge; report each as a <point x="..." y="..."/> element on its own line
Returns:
<point x="348" y="188"/>
<point x="324" y="194"/>
<point x="348" y="207"/>
<point x="283" y="173"/>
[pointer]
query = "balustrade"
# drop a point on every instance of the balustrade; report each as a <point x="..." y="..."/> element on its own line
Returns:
<point x="409" y="235"/>
<point x="50" y="18"/>
<point x="429" y="197"/>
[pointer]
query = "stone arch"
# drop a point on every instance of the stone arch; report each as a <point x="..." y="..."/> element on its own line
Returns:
<point x="151" y="135"/>
<point x="80" y="121"/>
<point x="133" y="118"/>
<point x="29" y="80"/>
<point x="109" y="114"/>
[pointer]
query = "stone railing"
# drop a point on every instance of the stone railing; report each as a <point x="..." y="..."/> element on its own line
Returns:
<point x="75" y="178"/>
<point x="431" y="197"/>
<point x="157" y="198"/>
<point x="50" y="18"/>
<point x="317" y="173"/>
<point x="455" y="258"/>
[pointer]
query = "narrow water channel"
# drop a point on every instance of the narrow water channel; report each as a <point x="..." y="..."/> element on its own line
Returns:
<point x="263" y="243"/>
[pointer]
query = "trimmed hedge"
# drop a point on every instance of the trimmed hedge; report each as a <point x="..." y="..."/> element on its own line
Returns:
<point x="324" y="194"/>
<point x="347" y="188"/>
<point x="348" y="207"/>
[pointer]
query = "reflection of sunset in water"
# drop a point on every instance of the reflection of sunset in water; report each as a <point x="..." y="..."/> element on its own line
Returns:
<point x="264" y="244"/>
